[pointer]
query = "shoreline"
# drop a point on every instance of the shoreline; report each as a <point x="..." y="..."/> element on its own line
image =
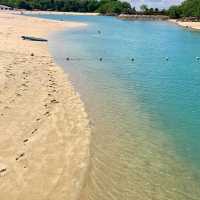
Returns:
<point x="45" y="134"/>
<point x="184" y="24"/>
<point x="189" y="25"/>
<point x="60" y="13"/>
<point x="143" y="17"/>
<point x="28" y="12"/>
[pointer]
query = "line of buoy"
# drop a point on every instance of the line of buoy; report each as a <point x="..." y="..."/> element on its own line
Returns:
<point x="100" y="59"/>
<point x="132" y="59"/>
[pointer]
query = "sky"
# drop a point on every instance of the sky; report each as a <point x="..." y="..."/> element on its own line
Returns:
<point x="154" y="3"/>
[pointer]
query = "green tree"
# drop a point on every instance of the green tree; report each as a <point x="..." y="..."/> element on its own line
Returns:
<point x="144" y="8"/>
<point x="133" y="10"/>
<point x="151" y="11"/>
<point x="109" y="7"/>
<point x="156" y="10"/>
<point x="190" y="8"/>
<point x="24" y="5"/>
<point x="92" y="5"/>
<point x="126" y="8"/>
<point x="174" y="12"/>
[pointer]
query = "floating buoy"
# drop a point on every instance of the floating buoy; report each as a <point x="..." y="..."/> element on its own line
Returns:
<point x="100" y="59"/>
<point x="67" y="58"/>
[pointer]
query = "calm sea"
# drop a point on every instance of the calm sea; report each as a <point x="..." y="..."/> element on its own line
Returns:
<point x="140" y="82"/>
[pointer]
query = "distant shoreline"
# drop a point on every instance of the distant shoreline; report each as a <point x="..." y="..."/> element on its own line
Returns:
<point x="50" y="12"/>
<point x="185" y="24"/>
<point x="143" y="17"/>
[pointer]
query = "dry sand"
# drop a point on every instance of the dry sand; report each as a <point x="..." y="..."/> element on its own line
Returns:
<point x="44" y="133"/>
<point x="191" y="25"/>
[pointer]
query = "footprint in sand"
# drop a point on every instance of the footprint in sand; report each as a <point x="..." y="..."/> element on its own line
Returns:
<point x="47" y="113"/>
<point x="6" y="107"/>
<point x="53" y="83"/>
<point x="24" y="85"/>
<point x="34" y="131"/>
<point x="3" y="171"/>
<point x="26" y="140"/>
<point x="12" y="100"/>
<point x="20" y="156"/>
<point x="54" y="101"/>
<point x="11" y="74"/>
<point x="18" y="94"/>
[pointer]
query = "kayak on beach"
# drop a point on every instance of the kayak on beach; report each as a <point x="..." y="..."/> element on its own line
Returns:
<point x="34" y="39"/>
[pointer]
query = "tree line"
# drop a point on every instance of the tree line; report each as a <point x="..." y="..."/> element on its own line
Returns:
<point x="103" y="6"/>
<point x="145" y="10"/>
<point x="107" y="7"/>
<point x="189" y="8"/>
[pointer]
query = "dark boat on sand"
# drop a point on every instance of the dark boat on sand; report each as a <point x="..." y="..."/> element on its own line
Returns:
<point x="34" y="39"/>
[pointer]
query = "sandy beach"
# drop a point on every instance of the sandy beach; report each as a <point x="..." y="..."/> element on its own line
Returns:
<point x="44" y="141"/>
<point x="191" y="25"/>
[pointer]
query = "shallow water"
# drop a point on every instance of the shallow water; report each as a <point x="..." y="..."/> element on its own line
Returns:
<point x="145" y="113"/>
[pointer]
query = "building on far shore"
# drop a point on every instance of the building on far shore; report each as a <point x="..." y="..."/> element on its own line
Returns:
<point x="3" y="7"/>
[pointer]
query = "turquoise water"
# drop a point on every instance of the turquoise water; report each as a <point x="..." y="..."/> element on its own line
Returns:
<point x="145" y="113"/>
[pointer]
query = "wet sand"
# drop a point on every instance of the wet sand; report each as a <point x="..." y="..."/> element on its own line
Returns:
<point x="44" y="141"/>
